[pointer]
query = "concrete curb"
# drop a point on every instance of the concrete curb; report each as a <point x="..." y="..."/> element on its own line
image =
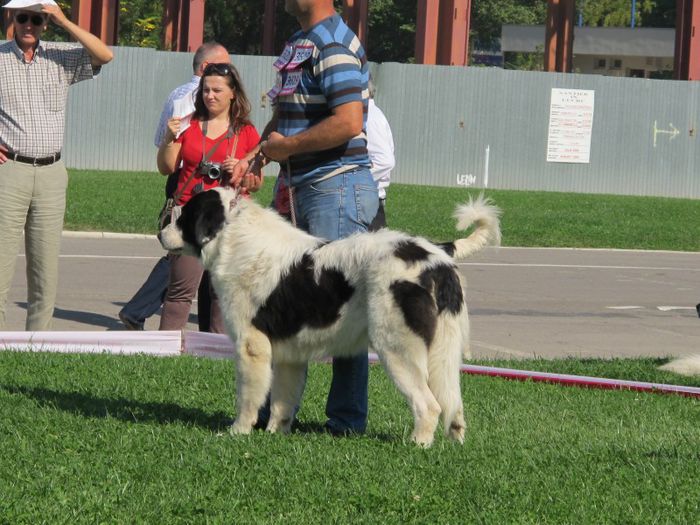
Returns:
<point x="107" y="235"/>
<point x="146" y="236"/>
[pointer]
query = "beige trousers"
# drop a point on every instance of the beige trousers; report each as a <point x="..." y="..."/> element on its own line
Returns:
<point x="33" y="202"/>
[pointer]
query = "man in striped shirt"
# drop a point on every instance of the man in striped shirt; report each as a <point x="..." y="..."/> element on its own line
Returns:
<point x="34" y="81"/>
<point x="318" y="136"/>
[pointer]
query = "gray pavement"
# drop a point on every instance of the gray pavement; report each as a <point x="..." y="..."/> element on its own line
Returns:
<point x="523" y="302"/>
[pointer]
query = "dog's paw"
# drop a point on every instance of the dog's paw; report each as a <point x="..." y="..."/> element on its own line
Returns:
<point x="423" y="441"/>
<point x="283" y="426"/>
<point x="240" y="428"/>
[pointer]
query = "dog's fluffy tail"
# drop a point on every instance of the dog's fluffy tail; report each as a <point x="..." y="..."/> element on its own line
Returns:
<point x="482" y="213"/>
<point x="687" y="366"/>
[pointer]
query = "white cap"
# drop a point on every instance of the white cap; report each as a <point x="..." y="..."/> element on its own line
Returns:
<point x="28" y="5"/>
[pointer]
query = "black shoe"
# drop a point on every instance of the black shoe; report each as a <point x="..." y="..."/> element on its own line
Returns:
<point x="698" y="309"/>
<point x="337" y="432"/>
<point x="129" y="324"/>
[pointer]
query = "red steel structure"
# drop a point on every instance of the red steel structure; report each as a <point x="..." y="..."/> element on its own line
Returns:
<point x="100" y="17"/>
<point x="559" y="36"/>
<point x="183" y="24"/>
<point x="442" y="29"/>
<point x="442" y="32"/>
<point x="686" y="56"/>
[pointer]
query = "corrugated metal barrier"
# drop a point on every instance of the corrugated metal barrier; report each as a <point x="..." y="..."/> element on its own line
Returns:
<point x="454" y="127"/>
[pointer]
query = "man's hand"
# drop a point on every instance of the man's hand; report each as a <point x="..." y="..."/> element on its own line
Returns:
<point x="99" y="53"/>
<point x="276" y="147"/>
<point x="3" y="154"/>
<point x="55" y="14"/>
<point x="243" y="175"/>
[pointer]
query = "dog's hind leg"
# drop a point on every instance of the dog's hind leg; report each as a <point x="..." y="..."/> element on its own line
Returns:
<point x="444" y="359"/>
<point x="288" y="381"/>
<point x="253" y="375"/>
<point x="408" y="368"/>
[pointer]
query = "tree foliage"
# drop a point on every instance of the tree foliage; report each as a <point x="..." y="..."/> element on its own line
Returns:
<point x="141" y="23"/>
<point x="618" y="13"/>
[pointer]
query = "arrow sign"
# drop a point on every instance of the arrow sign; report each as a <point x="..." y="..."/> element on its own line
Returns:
<point x="673" y="132"/>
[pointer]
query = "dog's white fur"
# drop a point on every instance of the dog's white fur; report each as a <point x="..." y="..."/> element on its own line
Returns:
<point x="255" y="250"/>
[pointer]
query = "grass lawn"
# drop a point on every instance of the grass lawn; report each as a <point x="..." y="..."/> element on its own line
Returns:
<point x="130" y="201"/>
<point x="107" y="439"/>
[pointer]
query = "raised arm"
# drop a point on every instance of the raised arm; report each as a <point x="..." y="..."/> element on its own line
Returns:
<point x="99" y="53"/>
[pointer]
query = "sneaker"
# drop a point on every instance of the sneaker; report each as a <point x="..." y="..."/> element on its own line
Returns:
<point x="129" y="324"/>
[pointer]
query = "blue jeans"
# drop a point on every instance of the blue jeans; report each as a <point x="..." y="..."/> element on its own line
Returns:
<point x="333" y="209"/>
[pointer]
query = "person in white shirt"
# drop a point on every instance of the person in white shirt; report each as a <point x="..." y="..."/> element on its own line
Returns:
<point x="380" y="146"/>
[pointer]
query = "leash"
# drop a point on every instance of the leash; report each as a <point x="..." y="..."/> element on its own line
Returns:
<point x="290" y="190"/>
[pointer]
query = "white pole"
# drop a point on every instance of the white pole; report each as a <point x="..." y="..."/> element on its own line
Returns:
<point x="486" y="166"/>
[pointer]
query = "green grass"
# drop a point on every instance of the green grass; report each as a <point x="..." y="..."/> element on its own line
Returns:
<point x="108" y="439"/>
<point x="129" y="202"/>
<point x="111" y="439"/>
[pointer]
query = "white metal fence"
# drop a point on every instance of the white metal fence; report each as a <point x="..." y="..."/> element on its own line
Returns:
<point x="453" y="126"/>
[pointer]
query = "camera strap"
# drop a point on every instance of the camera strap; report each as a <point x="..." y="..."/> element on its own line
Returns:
<point x="206" y="155"/>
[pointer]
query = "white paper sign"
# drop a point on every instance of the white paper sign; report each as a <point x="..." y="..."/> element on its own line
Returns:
<point x="570" y="125"/>
<point x="184" y="108"/>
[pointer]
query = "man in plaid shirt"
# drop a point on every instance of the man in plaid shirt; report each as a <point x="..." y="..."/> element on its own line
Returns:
<point x="34" y="81"/>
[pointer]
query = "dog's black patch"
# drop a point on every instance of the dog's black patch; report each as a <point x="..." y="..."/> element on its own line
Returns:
<point x="203" y="217"/>
<point x="410" y="252"/>
<point x="299" y="301"/>
<point x="418" y="308"/>
<point x="447" y="247"/>
<point x="444" y="283"/>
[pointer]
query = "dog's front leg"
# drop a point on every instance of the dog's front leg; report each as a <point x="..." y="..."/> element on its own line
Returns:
<point x="288" y="381"/>
<point x="253" y="375"/>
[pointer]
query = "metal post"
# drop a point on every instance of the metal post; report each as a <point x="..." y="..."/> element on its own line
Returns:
<point x="269" y="22"/>
<point x="453" y="37"/>
<point x="355" y="15"/>
<point x="559" y="36"/>
<point x="427" y="31"/>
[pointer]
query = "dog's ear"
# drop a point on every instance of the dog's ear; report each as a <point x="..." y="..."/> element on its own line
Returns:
<point x="209" y="223"/>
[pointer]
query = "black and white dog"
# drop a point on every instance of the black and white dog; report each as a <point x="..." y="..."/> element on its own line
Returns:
<point x="288" y="297"/>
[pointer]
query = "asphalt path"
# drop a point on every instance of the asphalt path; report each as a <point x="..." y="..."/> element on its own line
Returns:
<point x="523" y="302"/>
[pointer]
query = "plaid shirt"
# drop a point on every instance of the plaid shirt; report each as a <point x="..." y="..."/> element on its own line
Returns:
<point x="33" y="95"/>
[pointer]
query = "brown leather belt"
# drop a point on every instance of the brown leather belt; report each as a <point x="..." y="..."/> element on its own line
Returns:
<point x="35" y="161"/>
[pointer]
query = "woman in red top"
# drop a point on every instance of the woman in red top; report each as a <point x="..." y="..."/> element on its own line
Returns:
<point x="219" y="134"/>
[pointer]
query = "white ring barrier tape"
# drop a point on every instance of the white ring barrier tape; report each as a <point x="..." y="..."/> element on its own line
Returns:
<point x="219" y="346"/>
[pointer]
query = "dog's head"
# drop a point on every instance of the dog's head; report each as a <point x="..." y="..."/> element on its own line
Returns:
<point x="201" y="219"/>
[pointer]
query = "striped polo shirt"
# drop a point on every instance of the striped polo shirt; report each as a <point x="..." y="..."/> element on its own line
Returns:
<point x="319" y="70"/>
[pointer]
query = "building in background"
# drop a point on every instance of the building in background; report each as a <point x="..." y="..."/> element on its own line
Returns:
<point x="613" y="51"/>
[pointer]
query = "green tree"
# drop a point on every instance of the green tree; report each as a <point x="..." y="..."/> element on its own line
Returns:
<point x="140" y="23"/>
<point x="391" y="31"/>
<point x="618" y="13"/>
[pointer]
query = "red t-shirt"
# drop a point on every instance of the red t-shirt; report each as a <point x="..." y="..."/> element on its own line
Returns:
<point x="191" y="154"/>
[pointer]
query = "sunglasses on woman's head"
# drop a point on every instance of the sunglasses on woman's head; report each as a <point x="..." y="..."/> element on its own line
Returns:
<point x="218" y="69"/>
<point x="37" y="20"/>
